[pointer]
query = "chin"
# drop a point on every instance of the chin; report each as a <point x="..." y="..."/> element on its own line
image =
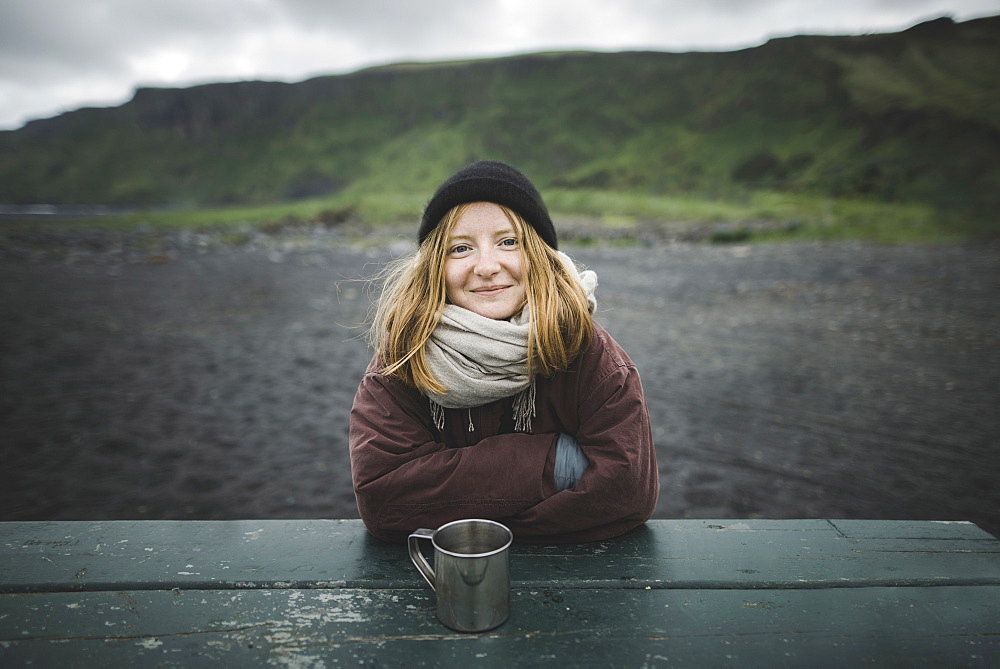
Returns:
<point x="496" y="314"/>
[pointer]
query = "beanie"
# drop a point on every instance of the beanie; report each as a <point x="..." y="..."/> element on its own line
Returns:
<point x="490" y="181"/>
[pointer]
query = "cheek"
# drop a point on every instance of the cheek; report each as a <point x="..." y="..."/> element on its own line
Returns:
<point x="454" y="278"/>
<point x="518" y="267"/>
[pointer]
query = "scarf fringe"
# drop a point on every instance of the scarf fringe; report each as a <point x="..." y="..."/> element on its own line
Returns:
<point x="437" y="414"/>
<point x="523" y="409"/>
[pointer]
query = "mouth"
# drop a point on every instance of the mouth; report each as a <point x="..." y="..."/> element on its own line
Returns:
<point x="488" y="291"/>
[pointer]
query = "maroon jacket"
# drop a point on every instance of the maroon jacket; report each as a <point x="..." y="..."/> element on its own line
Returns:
<point x="408" y="475"/>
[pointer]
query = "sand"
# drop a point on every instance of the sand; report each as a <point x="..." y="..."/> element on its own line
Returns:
<point x="180" y="378"/>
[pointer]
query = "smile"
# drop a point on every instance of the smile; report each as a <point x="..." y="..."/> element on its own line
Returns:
<point x="490" y="290"/>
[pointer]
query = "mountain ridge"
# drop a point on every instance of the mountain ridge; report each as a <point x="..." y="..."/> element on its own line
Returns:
<point x="913" y="115"/>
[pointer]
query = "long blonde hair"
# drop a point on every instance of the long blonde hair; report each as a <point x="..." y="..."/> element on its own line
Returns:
<point x="414" y="294"/>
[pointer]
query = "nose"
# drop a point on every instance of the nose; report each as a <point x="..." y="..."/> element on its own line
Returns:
<point x="487" y="263"/>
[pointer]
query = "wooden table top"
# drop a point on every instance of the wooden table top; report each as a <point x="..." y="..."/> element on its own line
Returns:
<point x="673" y="592"/>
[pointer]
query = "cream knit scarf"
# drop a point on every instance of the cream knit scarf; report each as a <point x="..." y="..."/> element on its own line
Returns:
<point x="481" y="360"/>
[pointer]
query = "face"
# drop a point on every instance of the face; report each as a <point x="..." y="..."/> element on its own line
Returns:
<point x="483" y="268"/>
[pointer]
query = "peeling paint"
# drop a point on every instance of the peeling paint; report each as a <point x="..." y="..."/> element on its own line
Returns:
<point x="298" y="661"/>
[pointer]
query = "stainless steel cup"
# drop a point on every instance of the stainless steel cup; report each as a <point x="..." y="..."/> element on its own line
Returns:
<point x="470" y="574"/>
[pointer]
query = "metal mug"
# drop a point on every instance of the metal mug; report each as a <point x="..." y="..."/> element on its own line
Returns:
<point x="471" y="576"/>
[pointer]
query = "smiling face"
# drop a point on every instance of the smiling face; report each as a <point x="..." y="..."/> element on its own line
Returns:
<point x="483" y="268"/>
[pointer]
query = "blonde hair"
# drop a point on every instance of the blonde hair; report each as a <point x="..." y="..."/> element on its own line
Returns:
<point x="414" y="294"/>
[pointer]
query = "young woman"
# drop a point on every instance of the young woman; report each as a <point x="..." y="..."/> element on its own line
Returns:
<point x="492" y="393"/>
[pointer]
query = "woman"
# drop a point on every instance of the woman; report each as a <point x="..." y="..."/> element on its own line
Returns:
<point x="492" y="393"/>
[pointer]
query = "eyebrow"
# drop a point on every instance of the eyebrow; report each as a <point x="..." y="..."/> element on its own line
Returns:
<point x="500" y="233"/>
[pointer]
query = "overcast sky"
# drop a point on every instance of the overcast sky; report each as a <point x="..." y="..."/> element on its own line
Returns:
<point x="57" y="55"/>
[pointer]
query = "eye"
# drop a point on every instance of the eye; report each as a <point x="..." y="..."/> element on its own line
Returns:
<point x="460" y="249"/>
<point x="510" y="242"/>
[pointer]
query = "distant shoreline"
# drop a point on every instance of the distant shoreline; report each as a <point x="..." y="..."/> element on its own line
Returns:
<point x="61" y="211"/>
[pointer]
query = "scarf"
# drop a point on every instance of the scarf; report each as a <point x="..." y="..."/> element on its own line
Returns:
<point x="481" y="360"/>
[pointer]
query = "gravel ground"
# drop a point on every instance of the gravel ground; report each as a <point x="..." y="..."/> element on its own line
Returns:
<point x="175" y="377"/>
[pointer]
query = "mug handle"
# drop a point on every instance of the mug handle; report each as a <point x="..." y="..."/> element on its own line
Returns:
<point x="418" y="557"/>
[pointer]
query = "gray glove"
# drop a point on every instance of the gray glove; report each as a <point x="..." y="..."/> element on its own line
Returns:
<point x="570" y="463"/>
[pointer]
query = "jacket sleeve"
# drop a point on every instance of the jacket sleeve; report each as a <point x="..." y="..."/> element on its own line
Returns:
<point x="405" y="479"/>
<point x="619" y="489"/>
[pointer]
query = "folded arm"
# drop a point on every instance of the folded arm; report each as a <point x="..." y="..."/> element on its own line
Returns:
<point x="619" y="488"/>
<point x="404" y="478"/>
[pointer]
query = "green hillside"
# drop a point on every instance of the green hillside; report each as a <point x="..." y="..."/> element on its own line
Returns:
<point x="905" y="117"/>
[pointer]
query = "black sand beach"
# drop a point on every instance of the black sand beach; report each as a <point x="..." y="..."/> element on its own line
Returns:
<point x="177" y="378"/>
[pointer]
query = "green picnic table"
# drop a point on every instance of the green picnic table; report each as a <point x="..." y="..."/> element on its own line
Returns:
<point x="315" y="593"/>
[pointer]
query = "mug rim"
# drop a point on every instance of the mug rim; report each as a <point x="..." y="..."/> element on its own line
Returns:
<point x="510" y="538"/>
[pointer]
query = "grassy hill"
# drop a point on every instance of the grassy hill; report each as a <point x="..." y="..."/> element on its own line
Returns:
<point x="906" y="117"/>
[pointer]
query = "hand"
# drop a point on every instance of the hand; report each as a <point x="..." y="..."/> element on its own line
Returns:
<point x="570" y="463"/>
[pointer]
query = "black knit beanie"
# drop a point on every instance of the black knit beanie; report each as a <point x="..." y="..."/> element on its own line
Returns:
<point x="490" y="181"/>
